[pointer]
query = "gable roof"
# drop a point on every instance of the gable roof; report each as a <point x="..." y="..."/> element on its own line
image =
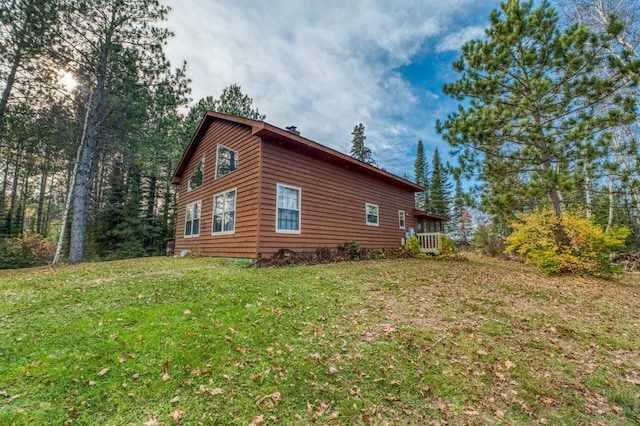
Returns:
<point x="262" y="129"/>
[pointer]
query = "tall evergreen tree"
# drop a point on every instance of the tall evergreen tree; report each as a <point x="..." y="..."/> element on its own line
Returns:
<point x="359" y="150"/>
<point x="439" y="188"/>
<point x="532" y="105"/>
<point x="109" y="38"/>
<point x="421" y="170"/>
<point x="231" y="101"/>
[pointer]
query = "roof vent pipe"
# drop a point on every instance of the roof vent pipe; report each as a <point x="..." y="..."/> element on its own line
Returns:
<point x="293" y="129"/>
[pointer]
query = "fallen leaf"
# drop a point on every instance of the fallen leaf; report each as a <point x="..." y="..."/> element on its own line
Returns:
<point x="217" y="391"/>
<point x="177" y="415"/>
<point x="165" y="377"/>
<point x="103" y="372"/>
<point x="174" y="400"/>
<point x="509" y="365"/>
<point x="151" y="422"/>
<point x="258" y="420"/>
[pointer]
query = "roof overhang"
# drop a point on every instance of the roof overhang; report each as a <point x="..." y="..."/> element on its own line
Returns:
<point x="421" y="213"/>
<point x="268" y="131"/>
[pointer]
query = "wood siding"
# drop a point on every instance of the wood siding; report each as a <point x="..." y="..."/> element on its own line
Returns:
<point x="242" y="243"/>
<point x="333" y="203"/>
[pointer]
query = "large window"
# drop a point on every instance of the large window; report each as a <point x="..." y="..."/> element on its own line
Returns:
<point x="224" y="213"/>
<point x="197" y="176"/>
<point x="372" y="214"/>
<point x="226" y="161"/>
<point x="288" y="209"/>
<point x="192" y="220"/>
<point x="402" y="219"/>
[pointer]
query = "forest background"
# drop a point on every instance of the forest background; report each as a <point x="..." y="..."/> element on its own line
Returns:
<point x="94" y="119"/>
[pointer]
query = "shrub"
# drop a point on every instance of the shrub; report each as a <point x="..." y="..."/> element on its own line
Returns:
<point x="587" y="249"/>
<point x="412" y="246"/>
<point x="25" y="251"/>
<point x="351" y="250"/>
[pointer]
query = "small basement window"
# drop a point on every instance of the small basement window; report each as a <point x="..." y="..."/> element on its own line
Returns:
<point x="226" y="161"/>
<point x="402" y="219"/>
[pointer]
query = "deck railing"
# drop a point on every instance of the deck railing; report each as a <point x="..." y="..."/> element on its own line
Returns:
<point x="430" y="242"/>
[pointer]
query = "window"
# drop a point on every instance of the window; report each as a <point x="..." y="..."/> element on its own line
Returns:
<point x="197" y="176"/>
<point x="224" y="213"/>
<point x="372" y="214"/>
<point x="226" y="161"/>
<point x="401" y="219"/>
<point x="288" y="209"/>
<point x="192" y="220"/>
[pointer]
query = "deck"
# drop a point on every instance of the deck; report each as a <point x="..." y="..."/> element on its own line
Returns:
<point x="430" y="242"/>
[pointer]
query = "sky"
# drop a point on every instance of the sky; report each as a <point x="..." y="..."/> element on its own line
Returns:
<point x="327" y="65"/>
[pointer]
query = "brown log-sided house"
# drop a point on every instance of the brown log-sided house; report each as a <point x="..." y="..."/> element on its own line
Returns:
<point x="249" y="189"/>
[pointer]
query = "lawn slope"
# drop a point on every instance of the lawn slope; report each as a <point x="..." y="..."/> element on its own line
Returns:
<point x="206" y="341"/>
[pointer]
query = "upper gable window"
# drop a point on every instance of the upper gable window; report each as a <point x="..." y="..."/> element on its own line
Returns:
<point x="226" y="161"/>
<point x="197" y="177"/>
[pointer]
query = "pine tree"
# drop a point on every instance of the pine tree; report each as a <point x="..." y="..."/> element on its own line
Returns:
<point x="532" y="106"/>
<point x="460" y="227"/>
<point x="439" y="188"/>
<point x="421" y="168"/>
<point x="358" y="149"/>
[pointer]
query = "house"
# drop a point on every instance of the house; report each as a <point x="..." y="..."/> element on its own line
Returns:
<point x="248" y="189"/>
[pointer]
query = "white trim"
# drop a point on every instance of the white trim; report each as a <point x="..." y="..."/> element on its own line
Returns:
<point x="213" y="212"/>
<point x="198" y="204"/>
<point x="402" y="219"/>
<point x="237" y="156"/>
<point x="366" y="214"/>
<point x="298" y="209"/>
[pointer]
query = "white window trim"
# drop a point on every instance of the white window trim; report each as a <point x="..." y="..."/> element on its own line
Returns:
<point x="402" y="219"/>
<point x="189" y="188"/>
<point x="199" y="202"/>
<point x="218" y="159"/>
<point x="366" y="214"/>
<point x="290" y="231"/>
<point x="213" y="212"/>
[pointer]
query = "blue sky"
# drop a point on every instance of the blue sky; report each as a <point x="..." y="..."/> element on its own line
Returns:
<point x="327" y="65"/>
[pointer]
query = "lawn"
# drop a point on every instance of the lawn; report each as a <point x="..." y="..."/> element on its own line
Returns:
<point x="206" y="341"/>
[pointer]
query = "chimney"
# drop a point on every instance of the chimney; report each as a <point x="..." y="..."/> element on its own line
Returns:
<point x="293" y="129"/>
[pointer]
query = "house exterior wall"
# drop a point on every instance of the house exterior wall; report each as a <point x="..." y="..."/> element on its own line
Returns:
<point x="333" y="203"/>
<point x="243" y="242"/>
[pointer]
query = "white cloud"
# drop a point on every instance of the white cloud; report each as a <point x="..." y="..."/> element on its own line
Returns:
<point x="456" y="40"/>
<point x="323" y="66"/>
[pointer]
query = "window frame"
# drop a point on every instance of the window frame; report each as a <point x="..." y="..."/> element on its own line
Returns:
<point x="193" y="188"/>
<point x="213" y="214"/>
<point x="377" y="215"/>
<point x="402" y="219"/>
<point x="237" y="158"/>
<point x="299" y="209"/>
<point x="198" y="209"/>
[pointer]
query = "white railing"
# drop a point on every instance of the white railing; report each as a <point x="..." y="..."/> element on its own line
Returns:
<point x="430" y="242"/>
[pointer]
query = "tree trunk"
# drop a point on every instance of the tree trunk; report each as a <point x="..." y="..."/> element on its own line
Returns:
<point x="43" y="192"/>
<point x="611" y="204"/>
<point x="5" y="181"/>
<point x="11" y="78"/>
<point x="14" y="194"/>
<point x="82" y="189"/>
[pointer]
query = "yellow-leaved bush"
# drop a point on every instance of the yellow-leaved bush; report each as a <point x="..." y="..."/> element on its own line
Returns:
<point x="586" y="249"/>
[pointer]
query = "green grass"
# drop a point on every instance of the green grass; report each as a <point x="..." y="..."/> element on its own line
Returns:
<point x="206" y="341"/>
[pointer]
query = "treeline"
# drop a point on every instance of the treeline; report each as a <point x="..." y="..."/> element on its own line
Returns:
<point x="92" y="125"/>
<point x="548" y="128"/>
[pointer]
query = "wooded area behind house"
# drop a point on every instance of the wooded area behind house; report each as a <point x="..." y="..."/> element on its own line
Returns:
<point x="94" y="119"/>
